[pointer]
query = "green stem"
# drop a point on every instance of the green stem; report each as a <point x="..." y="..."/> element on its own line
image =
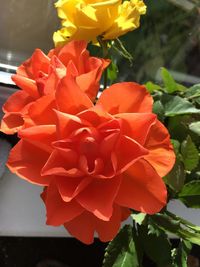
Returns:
<point x="104" y="46"/>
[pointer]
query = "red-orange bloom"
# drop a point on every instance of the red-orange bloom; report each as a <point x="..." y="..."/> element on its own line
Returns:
<point x="39" y="75"/>
<point x="95" y="161"/>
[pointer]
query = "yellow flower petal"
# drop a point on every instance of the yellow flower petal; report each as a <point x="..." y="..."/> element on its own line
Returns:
<point x="88" y="19"/>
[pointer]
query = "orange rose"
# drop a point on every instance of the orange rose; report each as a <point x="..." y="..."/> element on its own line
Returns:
<point x="95" y="161"/>
<point x="38" y="76"/>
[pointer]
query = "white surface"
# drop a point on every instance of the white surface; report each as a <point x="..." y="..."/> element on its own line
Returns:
<point x="22" y="212"/>
<point x="178" y="208"/>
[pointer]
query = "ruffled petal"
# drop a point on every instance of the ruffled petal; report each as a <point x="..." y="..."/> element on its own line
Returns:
<point x="58" y="211"/>
<point x="84" y="226"/>
<point x="11" y="122"/>
<point x="26" y="159"/>
<point x="136" y="125"/>
<point x="89" y="83"/>
<point x="142" y="189"/>
<point x="126" y="97"/>
<point x="67" y="123"/>
<point x="44" y="134"/>
<point x="99" y="196"/>
<point x="62" y="162"/>
<point x="71" y="51"/>
<point x="161" y="155"/>
<point x="69" y="188"/>
<point x="41" y="111"/>
<point x="127" y="152"/>
<point x="17" y="101"/>
<point x="70" y="98"/>
<point x="28" y="85"/>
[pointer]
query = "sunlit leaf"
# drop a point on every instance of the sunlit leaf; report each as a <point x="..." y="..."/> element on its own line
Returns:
<point x="175" y="105"/>
<point x="190" y="154"/>
<point x="169" y="82"/>
<point x="121" y="252"/>
<point x="195" y="127"/>
<point x="190" y="194"/>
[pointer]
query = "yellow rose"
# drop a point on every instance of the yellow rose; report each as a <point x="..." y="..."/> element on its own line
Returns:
<point x="87" y="19"/>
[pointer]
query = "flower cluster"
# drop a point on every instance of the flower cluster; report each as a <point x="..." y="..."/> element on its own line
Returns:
<point x="95" y="161"/>
<point x="83" y="20"/>
<point x="39" y="75"/>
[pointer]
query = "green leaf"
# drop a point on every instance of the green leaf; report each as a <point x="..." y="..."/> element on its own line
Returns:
<point x="176" y="145"/>
<point x="176" y="178"/>
<point x="175" y="105"/>
<point x="152" y="87"/>
<point x="177" y="126"/>
<point x="112" y="71"/>
<point x="180" y="87"/>
<point x="158" y="109"/>
<point x="195" y="127"/>
<point x="180" y="254"/>
<point x="190" y="194"/>
<point x="139" y="218"/>
<point x="156" y="247"/>
<point x="173" y="225"/>
<point x="193" y="92"/>
<point x="168" y="80"/>
<point x="190" y="154"/>
<point x="121" y="252"/>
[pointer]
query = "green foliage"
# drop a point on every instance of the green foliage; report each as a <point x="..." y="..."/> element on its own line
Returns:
<point x="190" y="194"/>
<point x="176" y="178"/>
<point x="175" y="105"/>
<point x="190" y="154"/>
<point x="169" y="82"/>
<point x="195" y="127"/>
<point x="139" y="218"/>
<point x="121" y="252"/>
<point x="152" y="87"/>
<point x="193" y="93"/>
<point x="156" y="246"/>
<point x="112" y="72"/>
<point x="180" y="254"/>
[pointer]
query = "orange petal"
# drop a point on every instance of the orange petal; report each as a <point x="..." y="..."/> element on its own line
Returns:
<point x="17" y="101"/>
<point x="127" y="152"/>
<point x="95" y="115"/>
<point x="70" y="98"/>
<point x="108" y="230"/>
<point x="41" y="111"/>
<point x="71" y="51"/>
<point x="99" y="196"/>
<point x="62" y="162"/>
<point x="136" y="125"/>
<point x="69" y="188"/>
<point x="84" y="226"/>
<point x="11" y="123"/>
<point x="89" y="83"/>
<point x="26" y="84"/>
<point x="126" y="97"/>
<point x="58" y="211"/>
<point x="44" y="134"/>
<point x="66" y="124"/>
<point x="31" y="67"/>
<point x="161" y="155"/>
<point x="142" y="189"/>
<point x="26" y="159"/>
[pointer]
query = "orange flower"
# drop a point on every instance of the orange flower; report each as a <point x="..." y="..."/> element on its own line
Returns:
<point x="95" y="161"/>
<point x="39" y="75"/>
